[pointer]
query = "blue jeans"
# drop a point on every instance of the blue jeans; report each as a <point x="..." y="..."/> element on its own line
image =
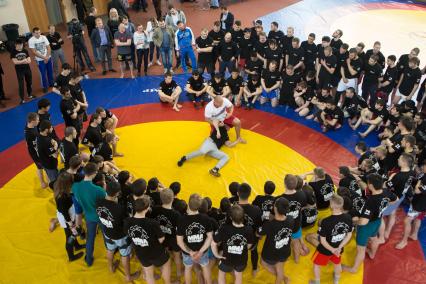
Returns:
<point x="90" y="241"/>
<point x="95" y="50"/>
<point x="223" y="65"/>
<point x="167" y="58"/>
<point x="184" y="52"/>
<point x="46" y="69"/>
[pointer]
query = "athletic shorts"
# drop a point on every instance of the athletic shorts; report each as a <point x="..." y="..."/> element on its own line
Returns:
<point x="281" y="259"/>
<point x="365" y="232"/>
<point x="334" y="81"/>
<point x="392" y="208"/>
<point x="343" y="86"/>
<point x="228" y="121"/>
<point x="124" y="57"/>
<point x="210" y="253"/>
<point x="171" y="244"/>
<point x="322" y="259"/>
<point x="157" y="261"/>
<point x="242" y="63"/>
<point x="270" y="95"/>
<point x="123" y="245"/>
<point x="398" y="94"/>
<point x="297" y="235"/>
<point x="416" y="214"/>
<point x="203" y="261"/>
<point x="227" y="267"/>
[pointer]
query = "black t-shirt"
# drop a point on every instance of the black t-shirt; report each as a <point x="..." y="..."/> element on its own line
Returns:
<point x="104" y="150"/>
<point x="227" y="50"/>
<point x="358" y="203"/>
<point x="335" y="113"/>
<point x="310" y="52"/>
<point x="77" y="92"/>
<point x="234" y="242"/>
<point x="340" y="61"/>
<point x="383" y="114"/>
<point x="55" y="44"/>
<point x="204" y="43"/>
<point x="144" y="234"/>
<point x="261" y="47"/>
<point x="286" y="42"/>
<point x="354" y="104"/>
<point x="331" y="62"/>
<point x="309" y="216"/>
<point x="271" y="77"/>
<point x="254" y="66"/>
<point x="381" y="58"/>
<point x="246" y="46"/>
<point x="324" y="190"/>
<point x="235" y="84"/>
<point x="336" y="43"/>
<point x="372" y="73"/>
<point x="391" y="75"/>
<point x="67" y="109"/>
<point x="297" y="202"/>
<point x="196" y="84"/>
<point x="334" y="229"/>
<point x="356" y="64"/>
<point x="376" y="204"/>
<point x="168" y="220"/>
<point x="90" y="22"/>
<point x="278" y="239"/>
<point x="277" y="35"/>
<point x="237" y="36"/>
<point x="253" y="86"/>
<point x="295" y="55"/>
<point x="223" y="136"/>
<point x="218" y="86"/>
<point x="217" y="37"/>
<point x="93" y="135"/>
<point x="111" y="216"/>
<point x="20" y="55"/>
<point x="252" y="216"/>
<point x="401" y="183"/>
<point x="31" y="140"/>
<point x="194" y="229"/>
<point x="266" y="204"/>
<point x="168" y="89"/>
<point x="402" y="63"/>
<point x="45" y="151"/>
<point x="68" y="150"/>
<point x="351" y="183"/>
<point x="419" y="199"/>
<point x="411" y="78"/>
<point x="274" y="54"/>
<point x="308" y="95"/>
<point x="61" y="81"/>
<point x="289" y="83"/>
<point x="155" y="198"/>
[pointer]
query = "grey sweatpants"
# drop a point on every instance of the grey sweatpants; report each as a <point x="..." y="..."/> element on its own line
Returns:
<point x="209" y="148"/>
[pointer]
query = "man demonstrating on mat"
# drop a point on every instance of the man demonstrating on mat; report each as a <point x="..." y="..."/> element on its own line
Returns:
<point x="218" y="138"/>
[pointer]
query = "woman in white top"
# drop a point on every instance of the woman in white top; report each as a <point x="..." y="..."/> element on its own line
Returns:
<point x="150" y="27"/>
<point x="140" y="39"/>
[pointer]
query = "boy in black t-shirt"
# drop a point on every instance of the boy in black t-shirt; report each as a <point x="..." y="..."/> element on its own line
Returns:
<point x="67" y="147"/>
<point x="310" y="52"/>
<point x="253" y="65"/>
<point x="21" y="58"/>
<point x="370" y="82"/>
<point x="194" y="236"/>
<point x="246" y="46"/>
<point x="331" y="118"/>
<point x="271" y="81"/>
<point x="277" y="246"/>
<point x="235" y="87"/>
<point x="169" y="92"/>
<point x="147" y="239"/>
<point x="322" y="185"/>
<point x="390" y="77"/>
<point x="217" y="86"/>
<point x="233" y="190"/>
<point x="309" y="212"/>
<point x="253" y="219"/>
<point x="62" y="80"/>
<point x="374" y="117"/>
<point x="409" y="81"/>
<point x="204" y="48"/>
<point x="196" y="89"/>
<point x="168" y="219"/>
<point x="289" y="81"/>
<point x="266" y="202"/>
<point x="252" y="90"/>
<point x="326" y="65"/>
<point x="295" y="56"/>
<point x="47" y="150"/>
<point x="235" y="240"/>
<point x="334" y="233"/>
<point x="111" y="215"/>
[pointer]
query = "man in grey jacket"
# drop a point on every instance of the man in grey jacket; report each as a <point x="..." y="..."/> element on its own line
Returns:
<point x="163" y="37"/>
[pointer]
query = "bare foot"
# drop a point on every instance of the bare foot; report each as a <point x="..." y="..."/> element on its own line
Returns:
<point x="348" y="269"/>
<point x="305" y="250"/>
<point x="114" y="266"/>
<point x="122" y="76"/>
<point x="401" y="245"/>
<point x="370" y="254"/>
<point x="179" y="106"/>
<point x="286" y="280"/>
<point x="242" y="140"/>
<point x="53" y="223"/>
<point x="310" y="116"/>
<point x="254" y="273"/>
<point x="413" y="237"/>
<point x="43" y="185"/>
<point x="381" y="241"/>
<point x="118" y="155"/>
<point x="133" y="276"/>
<point x="176" y="108"/>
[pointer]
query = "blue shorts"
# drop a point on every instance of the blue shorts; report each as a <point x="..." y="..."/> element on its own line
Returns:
<point x="123" y="245"/>
<point x="364" y="232"/>
<point x="270" y="95"/>
<point x="210" y="254"/>
<point x="297" y="235"/>
<point x="392" y="208"/>
<point x="77" y="206"/>
<point x="203" y="261"/>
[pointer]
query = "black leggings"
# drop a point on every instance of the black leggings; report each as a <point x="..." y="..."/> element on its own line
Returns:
<point x="24" y="75"/>
<point x="142" y="54"/>
<point x="254" y="256"/>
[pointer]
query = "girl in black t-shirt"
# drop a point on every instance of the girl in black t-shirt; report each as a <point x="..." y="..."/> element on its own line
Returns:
<point x="310" y="211"/>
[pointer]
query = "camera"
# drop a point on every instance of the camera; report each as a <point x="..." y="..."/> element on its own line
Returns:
<point x="75" y="29"/>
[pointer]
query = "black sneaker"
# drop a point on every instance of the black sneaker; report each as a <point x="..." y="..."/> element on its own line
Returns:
<point x="22" y="102"/>
<point x="181" y="161"/>
<point x="215" y="172"/>
<point x="104" y="72"/>
<point x="76" y="256"/>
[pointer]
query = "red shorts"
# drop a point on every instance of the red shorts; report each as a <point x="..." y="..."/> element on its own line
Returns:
<point x="242" y="63"/>
<point x="322" y="259"/>
<point x="229" y="120"/>
<point x="421" y="216"/>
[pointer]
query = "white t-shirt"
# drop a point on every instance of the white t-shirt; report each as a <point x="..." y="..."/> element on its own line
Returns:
<point x="140" y="40"/>
<point x="219" y="113"/>
<point x="40" y="44"/>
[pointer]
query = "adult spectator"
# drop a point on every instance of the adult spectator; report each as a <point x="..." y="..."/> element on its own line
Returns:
<point x="76" y="33"/>
<point x="119" y="7"/>
<point x="226" y="19"/>
<point x="22" y="60"/>
<point x="185" y="41"/>
<point x="151" y="25"/>
<point x="228" y="53"/>
<point x="123" y="40"/>
<point x="90" y="22"/>
<point x="170" y="91"/>
<point x="56" y="43"/>
<point x="163" y="39"/>
<point x="276" y="33"/>
<point x="130" y="28"/>
<point x="80" y="8"/>
<point x="40" y="48"/>
<point x="47" y="150"/>
<point x="376" y="50"/>
<point x="204" y="48"/>
<point x="113" y="21"/>
<point x="69" y="109"/>
<point x="101" y="38"/>
<point x="172" y="19"/>
<point x="140" y="40"/>
<point x="67" y="148"/>
<point x="87" y="194"/>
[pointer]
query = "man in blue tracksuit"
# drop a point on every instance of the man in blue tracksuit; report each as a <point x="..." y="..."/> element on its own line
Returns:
<point x="185" y="41"/>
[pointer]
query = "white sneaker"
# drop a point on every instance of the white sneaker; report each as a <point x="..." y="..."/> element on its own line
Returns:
<point x="158" y="63"/>
<point x="149" y="64"/>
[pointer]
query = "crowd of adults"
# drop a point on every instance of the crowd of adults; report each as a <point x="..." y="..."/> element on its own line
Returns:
<point x="330" y="82"/>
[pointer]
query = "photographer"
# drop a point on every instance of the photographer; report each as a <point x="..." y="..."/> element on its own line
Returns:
<point x="75" y="33"/>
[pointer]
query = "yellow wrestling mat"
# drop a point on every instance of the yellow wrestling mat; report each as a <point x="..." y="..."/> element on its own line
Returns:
<point x="30" y="254"/>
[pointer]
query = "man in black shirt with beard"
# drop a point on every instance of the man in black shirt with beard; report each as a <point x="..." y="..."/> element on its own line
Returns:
<point x="111" y="215"/>
<point x="217" y="35"/>
<point x="31" y="133"/>
<point x="67" y="147"/>
<point x="326" y="64"/>
<point x="390" y="77"/>
<point x="93" y="136"/>
<point x="276" y="34"/>
<point x="372" y="73"/>
<point x="204" y="48"/>
<point x="47" y="150"/>
<point x="310" y="52"/>
<point x="228" y="54"/>
<point x="254" y="65"/>
<point x="295" y="56"/>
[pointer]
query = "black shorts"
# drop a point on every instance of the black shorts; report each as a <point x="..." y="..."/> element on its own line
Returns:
<point x="171" y="245"/>
<point x="324" y="83"/>
<point x="227" y="267"/>
<point x="192" y="97"/>
<point x="124" y="57"/>
<point x="334" y="81"/>
<point x="157" y="261"/>
<point x="275" y="261"/>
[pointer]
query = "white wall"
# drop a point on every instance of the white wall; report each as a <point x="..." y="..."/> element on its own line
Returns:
<point x="13" y="12"/>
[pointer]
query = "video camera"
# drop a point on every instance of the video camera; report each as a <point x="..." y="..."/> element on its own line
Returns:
<point x="75" y="29"/>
